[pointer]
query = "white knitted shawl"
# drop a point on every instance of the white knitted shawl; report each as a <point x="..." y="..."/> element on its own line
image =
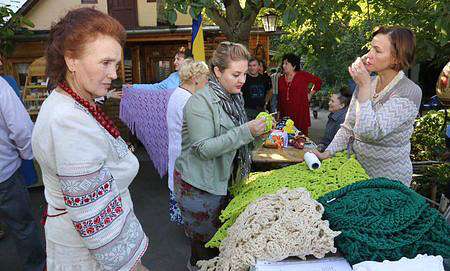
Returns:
<point x="273" y="228"/>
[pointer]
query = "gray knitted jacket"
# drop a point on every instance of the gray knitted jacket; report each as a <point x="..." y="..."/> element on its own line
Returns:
<point x="379" y="130"/>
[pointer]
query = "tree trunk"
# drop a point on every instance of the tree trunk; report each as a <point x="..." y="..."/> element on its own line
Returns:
<point x="235" y="22"/>
<point x="240" y="37"/>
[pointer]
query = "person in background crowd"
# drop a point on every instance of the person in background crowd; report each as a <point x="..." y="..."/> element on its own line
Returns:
<point x="86" y="166"/>
<point x="114" y="93"/>
<point x="257" y="90"/>
<point x="27" y="166"/>
<point x="215" y="152"/>
<point x="193" y="76"/>
<point x="381" y="115"/>
<point x="338" y="106"/>
<point x="262" y="67"/>
<point x="294" y="93"/>
<point x="13" y="83"/>
<point x="274" y="76"/>
<point x="173" y="81"/>
<point x="15" y="206"/>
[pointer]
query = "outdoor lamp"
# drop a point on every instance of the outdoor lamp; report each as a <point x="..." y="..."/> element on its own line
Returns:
<point x="270" y="22"/>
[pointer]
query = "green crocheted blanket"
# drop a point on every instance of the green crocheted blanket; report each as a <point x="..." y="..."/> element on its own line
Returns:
<point x="381" y="219"/>
<point x="334" y="173"/>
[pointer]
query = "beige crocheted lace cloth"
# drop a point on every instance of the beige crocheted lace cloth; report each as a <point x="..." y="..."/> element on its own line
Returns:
<point x="273" y="228"/>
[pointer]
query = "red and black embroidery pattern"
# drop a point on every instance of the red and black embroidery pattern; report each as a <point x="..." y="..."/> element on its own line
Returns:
<point x="82" y="200"/>
<point x="99" y="222"/>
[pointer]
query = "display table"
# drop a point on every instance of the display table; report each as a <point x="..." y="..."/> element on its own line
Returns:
<point x="325" y="264"/>
<point x="289" y="155"/>
<point x="283" y="156"/>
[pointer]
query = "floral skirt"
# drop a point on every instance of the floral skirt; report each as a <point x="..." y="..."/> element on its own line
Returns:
<point x="174" y="210"/>
<point x="200" y="210"/>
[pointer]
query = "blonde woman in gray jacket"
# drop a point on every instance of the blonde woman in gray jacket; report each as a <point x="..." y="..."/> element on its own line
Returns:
<point x="379" y="122"/>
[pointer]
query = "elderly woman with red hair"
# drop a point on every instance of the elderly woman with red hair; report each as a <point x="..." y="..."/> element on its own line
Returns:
<point x="86" y="166"/>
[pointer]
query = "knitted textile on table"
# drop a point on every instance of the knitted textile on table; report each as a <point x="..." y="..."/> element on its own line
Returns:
<point x="273" y="228"/>
<point x="381" y="219"/>
<point x="334" y="173"/>
<point x="144" y="112"/>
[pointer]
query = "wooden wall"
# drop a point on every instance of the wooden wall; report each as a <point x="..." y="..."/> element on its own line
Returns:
<point x="27" y="52"/>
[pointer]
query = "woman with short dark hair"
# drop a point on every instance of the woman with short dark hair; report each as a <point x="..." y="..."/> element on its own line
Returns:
<point x="294" y="92"/>
<point x="381" y="115"/>
<point x="338" y="106"/>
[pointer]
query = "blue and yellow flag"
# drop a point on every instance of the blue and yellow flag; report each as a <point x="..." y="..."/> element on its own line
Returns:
<point x="198" y="46"/>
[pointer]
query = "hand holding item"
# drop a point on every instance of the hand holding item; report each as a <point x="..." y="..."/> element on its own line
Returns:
<point x="268" y="120"/>
<point x="361" y="76"/>
<point x="257" y="126"/>
<point x="359" y="72"/>
<point x="321" y="155"/>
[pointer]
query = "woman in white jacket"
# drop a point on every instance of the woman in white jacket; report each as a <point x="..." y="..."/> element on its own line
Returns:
<point x="193" y="76"/>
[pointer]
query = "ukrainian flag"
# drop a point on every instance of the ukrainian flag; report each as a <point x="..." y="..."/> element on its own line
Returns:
<point x="198" y="47"/>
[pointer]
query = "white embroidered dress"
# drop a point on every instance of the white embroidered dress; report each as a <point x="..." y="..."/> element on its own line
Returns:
<point x="382" y="128"/>
<point x="86" y="174"/>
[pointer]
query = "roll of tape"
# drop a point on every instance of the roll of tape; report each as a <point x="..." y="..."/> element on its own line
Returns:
<point x="312" y="161"/>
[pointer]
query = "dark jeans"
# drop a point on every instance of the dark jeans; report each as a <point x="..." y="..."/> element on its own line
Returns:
<point x="15" y="212"/>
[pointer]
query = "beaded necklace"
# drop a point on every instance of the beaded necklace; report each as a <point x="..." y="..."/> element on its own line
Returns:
<point x="95" y="111"/>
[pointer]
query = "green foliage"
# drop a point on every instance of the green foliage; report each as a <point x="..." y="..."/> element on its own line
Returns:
<point x="334" y="173"/>
<point x="332" y="36"/>
<point x="10" y="24"/>
<point x="434" y="174"/>
<point x="427" y="141"/>
<point x="234" y="17"/>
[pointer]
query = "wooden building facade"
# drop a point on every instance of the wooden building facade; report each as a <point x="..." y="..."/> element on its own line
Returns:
<point x="151" y="42"/>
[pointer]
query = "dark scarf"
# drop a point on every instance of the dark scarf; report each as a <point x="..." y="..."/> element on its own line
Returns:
<point x="233" y="104"/>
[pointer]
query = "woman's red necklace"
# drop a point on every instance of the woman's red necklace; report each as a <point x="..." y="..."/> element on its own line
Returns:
<point x="95" y="110"/>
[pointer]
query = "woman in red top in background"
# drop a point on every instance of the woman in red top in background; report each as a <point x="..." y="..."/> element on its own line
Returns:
<point x="294" y="94"/>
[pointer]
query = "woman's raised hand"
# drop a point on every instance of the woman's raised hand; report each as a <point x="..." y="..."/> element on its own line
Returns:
<point x="361" y="77"/>
<point x="257" y="126"/>
<point x="359" y="72"/>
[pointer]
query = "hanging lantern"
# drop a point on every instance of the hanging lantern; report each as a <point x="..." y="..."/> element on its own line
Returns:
<point x="270" y="22"/>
